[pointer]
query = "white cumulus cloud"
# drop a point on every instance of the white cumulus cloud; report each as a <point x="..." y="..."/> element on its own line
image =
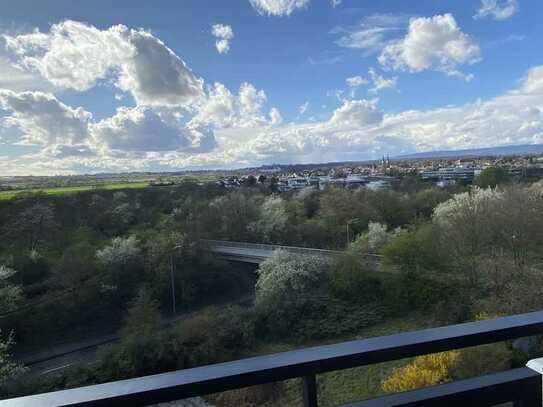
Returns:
<point x="435" y="43"/>
<point x="275" y="117"/>
<point x="224" y="34"/>
<point x="143" y="129"/>
<point x="357" y="113"/>
<point x="497" y="9"/>
<point x="42" y="119"/>
<point x="221" y="108"/>
<point x="76" y="56"/>
<point x="278" y="7"/>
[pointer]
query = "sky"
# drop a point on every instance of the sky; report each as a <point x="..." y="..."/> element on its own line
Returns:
<point x="168" y="85"/>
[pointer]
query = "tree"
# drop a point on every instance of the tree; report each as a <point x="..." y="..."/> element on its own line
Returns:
<point x="286" y="284"/>
<point x="468" y="227"/>
<point x="351" y="280"/>
<point x="76" y="265"/>
<point x="273" y="219"/>
<point x="491" y="177"/>
<point x="8" y="368"/>
<point x="10" y="295"/>
<point x="141" y="349"/>
<point x="417" y="251"/>
<point x="250" y="181"/>
<point x="374" y="239"/>
<point x="143" y="317"/>
<point x="33" y="224"/>
<point x="120" y="251"/>
<point x="390" y="206"/>
<point x="230" y="215"/>
<point x="338" y="207"/>
<point x="287" y="275"/>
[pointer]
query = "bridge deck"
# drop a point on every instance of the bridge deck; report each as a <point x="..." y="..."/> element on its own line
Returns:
<point x="257" y="253"/>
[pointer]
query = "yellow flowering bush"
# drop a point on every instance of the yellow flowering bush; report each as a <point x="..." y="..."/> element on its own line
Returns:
<point x="423" y="371"/>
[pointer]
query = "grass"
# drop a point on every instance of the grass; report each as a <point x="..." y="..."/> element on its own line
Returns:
<point x="8" y="195"/>
<point x="342" y="386"/>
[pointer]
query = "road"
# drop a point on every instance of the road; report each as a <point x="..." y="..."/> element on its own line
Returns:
<point x="57" y="359"/>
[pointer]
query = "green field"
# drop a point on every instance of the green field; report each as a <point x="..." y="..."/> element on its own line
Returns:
<point x="7" y="195"/>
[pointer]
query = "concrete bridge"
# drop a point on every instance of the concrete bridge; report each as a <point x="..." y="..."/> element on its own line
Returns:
<point x="256" y="253"/>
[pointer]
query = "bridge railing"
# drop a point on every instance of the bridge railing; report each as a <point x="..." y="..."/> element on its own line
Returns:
<point x="514" y="385"/>
<point x="292" y="249"/>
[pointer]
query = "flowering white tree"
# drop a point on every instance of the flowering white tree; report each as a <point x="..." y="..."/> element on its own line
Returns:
<point x="273" y="219"/>
<point x="375" y="238"/>
<point x="33" y="225"/>
<point x="470" y="225"/>
<point x="289" y="275"/>
<point x="8" y="368"/>
<point x="120" y="251"/>
<point x="10" y="295"/>
<point x="467" y="204"/>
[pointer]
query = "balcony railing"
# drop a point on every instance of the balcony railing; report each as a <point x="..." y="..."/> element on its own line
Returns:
<point x="519" y="385"/>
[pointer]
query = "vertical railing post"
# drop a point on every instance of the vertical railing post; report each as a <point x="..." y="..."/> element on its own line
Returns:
<point x="532" y="393"/>
<point x="310" y="391"/>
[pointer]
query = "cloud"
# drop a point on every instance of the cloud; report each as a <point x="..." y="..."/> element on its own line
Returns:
<point x="357" y="113"/>
<point x="372" y="33"/>
<point x="156" y="76"/>
<point x="221" y="128"/>
<point x="356" y="130"/>
<point x="77" y="56"/>
<point x="359" y="130"/>
<point x="221" y="108"/>
<point x="497" y="9"/>
<point x="275" y="117"/>
<point x="434" y="43"/>
<point x="279" y="8"/>
<point x="72" y="54"/>
<point x="17" y="79"/>
<point x="143" y="129"/>
<point x="42" y="119"/>
<point x="224" y="35"/>
<point x="335" y="3"/>
<point x="532" y="83"/>
<point x="356" y="81"/>
<point x="380" y="82"/>
<point x="59" y="151"/>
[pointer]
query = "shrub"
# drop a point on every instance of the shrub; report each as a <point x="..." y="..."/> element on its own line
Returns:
<point x="442" y="367"/>
<point x="285" y="283"/>
<point x="325" y="317"/>
<point x="423" y="371"/>
<point x="351" y="281"/>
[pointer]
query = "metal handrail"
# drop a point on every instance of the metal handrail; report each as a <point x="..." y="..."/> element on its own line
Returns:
<point x="521" y="385"/>
<point x="303" y="363"/>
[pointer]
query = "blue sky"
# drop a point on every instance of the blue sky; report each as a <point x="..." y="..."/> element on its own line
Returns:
<point x="420" y="68"/>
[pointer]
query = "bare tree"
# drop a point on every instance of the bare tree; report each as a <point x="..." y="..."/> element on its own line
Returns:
<point x="32" y="225"/>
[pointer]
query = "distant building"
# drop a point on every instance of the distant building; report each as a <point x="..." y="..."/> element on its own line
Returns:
<point x="463" y="173"/>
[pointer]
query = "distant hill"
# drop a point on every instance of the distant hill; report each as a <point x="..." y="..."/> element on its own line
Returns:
<point x="477" y="152"/>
